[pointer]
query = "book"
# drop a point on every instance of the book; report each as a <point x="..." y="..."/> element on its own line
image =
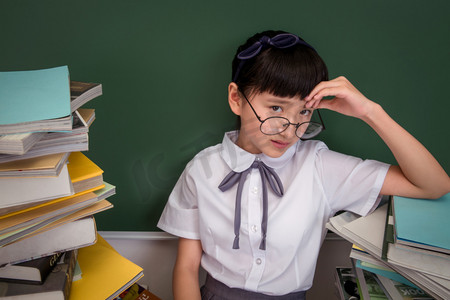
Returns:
<point x="18" y="209"/>
<point x="35" y="100"/>
<point x="57" y="142"/>
<point x="82" y="92"/>
<point x="102" y="191"/>
<point x="391" y="241"/>
<point x="88" y="115"/>
<point x="345" y="281"/>
<point x="368" y="233"/>
<point x="370" y="286"/>
<point x="39" y="217"/>
<point x="428" y="272"/>
<point x="422" y="223"/>
<point x="400" y="291"/>
<point x="16" y="225"/>
<point x="56" y="286"/>
<point x="77" y="273"/>
<point x="12" y="237"/>
<point x="85" y="174"/>
<point x="31" y="272"/>
<point x="383" y="271"/>
<point x="19" y="143"/>
<point x="19" y="191"/>
<point x="137" y="292"/>
<point x="44" y="166"/>
<point x="103" y="267"/>
<point x="68" y="236"/>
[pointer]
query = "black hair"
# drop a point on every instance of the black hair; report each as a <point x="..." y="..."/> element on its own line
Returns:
<point x="287" y="72"/>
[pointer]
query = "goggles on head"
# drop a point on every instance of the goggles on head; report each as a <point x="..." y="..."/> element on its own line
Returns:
<point x="280" y="41"/>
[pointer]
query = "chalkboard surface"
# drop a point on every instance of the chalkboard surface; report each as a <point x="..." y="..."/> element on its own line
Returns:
<point x="165" y="67"/>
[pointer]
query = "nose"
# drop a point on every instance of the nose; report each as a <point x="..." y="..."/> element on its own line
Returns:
<point x="289" y="133"/>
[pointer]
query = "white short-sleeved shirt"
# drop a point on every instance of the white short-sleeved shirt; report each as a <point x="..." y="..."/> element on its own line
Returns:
<point x="317" y="183"/>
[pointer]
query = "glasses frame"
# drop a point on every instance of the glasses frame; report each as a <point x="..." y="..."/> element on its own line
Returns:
<point x="296" y="125"/>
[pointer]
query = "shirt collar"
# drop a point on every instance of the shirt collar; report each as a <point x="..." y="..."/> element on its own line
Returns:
<point x="240" y="160"/>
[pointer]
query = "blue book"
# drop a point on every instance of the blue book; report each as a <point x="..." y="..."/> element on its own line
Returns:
<point x="37" y="100"/>
<point x="422" y="223"/>
<point x="386" y="272"/>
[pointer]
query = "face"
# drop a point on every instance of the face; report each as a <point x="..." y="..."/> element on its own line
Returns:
<point x="267" y="105"/>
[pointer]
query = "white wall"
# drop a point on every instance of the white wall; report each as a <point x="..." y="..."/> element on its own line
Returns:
<point x="155" y="252"/>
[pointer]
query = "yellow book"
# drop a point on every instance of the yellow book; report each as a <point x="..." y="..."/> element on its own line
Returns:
<point x="83" y="172"/>
<point x="105" y="272"/>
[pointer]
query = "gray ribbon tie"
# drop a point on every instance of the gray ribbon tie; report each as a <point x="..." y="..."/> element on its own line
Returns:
<point x="267" y="175"/>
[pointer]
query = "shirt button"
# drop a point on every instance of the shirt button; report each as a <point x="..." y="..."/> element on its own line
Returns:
<point x="254" y="228"/>
<point x="258" y="261"/>
<point x="255" y="190"/>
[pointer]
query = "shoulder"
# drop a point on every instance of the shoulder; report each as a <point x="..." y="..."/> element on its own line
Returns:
<point x="205" y="161"/>
<point x="310" y="147"/>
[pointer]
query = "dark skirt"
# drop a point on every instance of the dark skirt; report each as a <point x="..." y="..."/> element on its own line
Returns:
<point x="216" y="290"/>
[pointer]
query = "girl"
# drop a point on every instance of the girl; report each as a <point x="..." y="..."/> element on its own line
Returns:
<point x="252" y="210"/>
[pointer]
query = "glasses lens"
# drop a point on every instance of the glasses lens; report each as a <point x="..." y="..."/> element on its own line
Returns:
<point x="308" y="130"/>
<point x="274" y="125"/>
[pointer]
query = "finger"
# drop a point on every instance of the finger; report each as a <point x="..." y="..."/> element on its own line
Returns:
<point x="321" y="86"/>
<point x="333" y="91"/>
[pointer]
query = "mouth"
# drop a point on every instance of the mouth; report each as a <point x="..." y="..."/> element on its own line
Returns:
<point x="279" y="144"/>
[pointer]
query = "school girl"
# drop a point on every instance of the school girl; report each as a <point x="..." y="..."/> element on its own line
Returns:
<point x="252" y="209"/>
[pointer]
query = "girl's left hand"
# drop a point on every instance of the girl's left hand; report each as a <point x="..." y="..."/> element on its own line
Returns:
<point x="347" y="99"/>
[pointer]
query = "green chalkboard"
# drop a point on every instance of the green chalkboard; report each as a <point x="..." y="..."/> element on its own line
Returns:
<point x="165" y="67"/>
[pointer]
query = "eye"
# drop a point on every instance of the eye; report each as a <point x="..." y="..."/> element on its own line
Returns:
<point x="276" y="108"/>
<point x="305" y="112"/>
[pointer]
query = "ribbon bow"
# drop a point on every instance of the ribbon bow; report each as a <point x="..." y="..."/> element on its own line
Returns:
<point x="267" y="175"/>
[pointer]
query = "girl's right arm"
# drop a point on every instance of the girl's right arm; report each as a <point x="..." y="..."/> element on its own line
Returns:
<point x="185" y="273"/>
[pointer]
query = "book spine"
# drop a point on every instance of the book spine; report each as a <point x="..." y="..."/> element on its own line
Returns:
<point x="70" y="259"/>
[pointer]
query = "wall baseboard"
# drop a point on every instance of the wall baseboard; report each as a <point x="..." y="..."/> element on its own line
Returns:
<point x="137" y="235"/>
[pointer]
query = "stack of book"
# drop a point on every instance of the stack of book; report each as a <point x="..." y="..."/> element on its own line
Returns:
<point x="50" y="190"/>
<point x="403" y="247"/>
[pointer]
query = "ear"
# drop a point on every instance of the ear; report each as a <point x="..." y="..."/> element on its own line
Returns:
<point x="234" y="98"/>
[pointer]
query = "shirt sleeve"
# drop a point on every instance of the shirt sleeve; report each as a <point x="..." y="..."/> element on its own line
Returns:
<point x="180" y="215"/>
<point x="350" y="183"/>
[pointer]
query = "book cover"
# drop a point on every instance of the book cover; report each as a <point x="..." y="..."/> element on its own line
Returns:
<point x="103" y="267"/>
<point x="84" y="173"/>
<point x="68" y="236"/>
<point x="18" y="190"/>
<point x="35" y="97"/>
<point x="383" y="271"/>
<point x="30" y="272"/>
<point x="56" y="286"/>
<point x="137" y="292"/>
<point x="422" y="223"/>
<point x="401" y="291"/>
<point x="370" y="286"/>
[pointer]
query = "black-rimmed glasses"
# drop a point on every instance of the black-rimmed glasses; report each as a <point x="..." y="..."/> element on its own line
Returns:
<point x="275" y="125"/>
